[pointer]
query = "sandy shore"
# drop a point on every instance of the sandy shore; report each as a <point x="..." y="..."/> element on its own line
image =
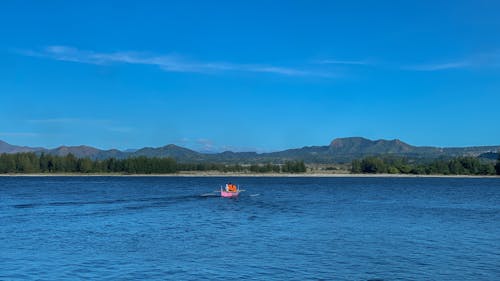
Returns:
<point x="209" y="174"/>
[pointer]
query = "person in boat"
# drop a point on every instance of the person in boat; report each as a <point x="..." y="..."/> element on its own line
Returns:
<point x="231" y="187"/>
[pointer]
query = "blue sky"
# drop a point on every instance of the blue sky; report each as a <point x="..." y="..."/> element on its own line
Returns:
<point x="248" y="75"/>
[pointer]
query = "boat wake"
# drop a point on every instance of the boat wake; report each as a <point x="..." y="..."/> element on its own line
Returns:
<point x="209" y="195"/>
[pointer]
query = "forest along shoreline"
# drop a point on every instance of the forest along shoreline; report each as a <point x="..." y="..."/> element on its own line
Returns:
<point x="220" y="175"/>
<point x="45" y="164"/>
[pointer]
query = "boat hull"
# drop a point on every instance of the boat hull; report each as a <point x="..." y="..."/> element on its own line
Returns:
<point x="229" y="194"/>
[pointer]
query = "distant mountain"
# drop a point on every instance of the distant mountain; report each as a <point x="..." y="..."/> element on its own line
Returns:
<point x="346" y="149"/>
<point x="8" y="148"/>
<point x="81" y="151"/>
<point x="173" y="151"/>
<point x="84" y="151"/>
<point x="358" y="145"/>
<point x="230" y="156"/>
<point x="340" y="150"/>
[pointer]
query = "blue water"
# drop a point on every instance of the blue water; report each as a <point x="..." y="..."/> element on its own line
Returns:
<point x="169" y="228"/>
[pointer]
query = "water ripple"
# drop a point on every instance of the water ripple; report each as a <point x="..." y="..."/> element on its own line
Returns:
<point x="280" y="229"/>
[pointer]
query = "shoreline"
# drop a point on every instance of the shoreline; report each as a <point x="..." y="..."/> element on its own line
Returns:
<point x="240" y="175"/>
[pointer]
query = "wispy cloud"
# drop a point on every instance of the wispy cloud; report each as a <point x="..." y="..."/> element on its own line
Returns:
<point x="170" y="63"/>
<point x="474" y="61"/>
<point x="318" y="68"/>
<point x="484" y="60"/>
<point x="438" y="66"/>
<point x="205" y="145"/>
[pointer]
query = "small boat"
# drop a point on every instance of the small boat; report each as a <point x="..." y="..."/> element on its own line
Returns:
<point x="230" y="191"/>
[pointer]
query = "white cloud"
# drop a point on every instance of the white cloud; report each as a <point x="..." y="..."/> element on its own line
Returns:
<point x="439" y="66"/>
<point x="484" y="60"/>
<point x="175" y="63"/>
<point x="475" y="61"/>
<point x="205" y="145"/>
<point x="170" y="63"/>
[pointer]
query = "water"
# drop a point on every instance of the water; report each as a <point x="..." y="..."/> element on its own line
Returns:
<point x="168" y="228"/>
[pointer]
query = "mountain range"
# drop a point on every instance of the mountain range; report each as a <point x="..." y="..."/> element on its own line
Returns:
<point x="340" y="150"/>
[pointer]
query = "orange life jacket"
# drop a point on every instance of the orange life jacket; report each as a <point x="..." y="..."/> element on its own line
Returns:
<point x="231" y="188"/>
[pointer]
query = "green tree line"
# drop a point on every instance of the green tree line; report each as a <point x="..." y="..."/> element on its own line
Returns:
<point x="46" y="163"/>
<point x="455" y="166"/>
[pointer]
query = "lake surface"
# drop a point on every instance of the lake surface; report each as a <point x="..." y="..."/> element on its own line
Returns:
<point x="169" y="228"/>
